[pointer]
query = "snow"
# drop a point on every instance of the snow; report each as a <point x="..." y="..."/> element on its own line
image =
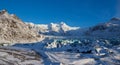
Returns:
<point x="18" y="56"/>
<point x="106" y="30"/>
<point x="71" y="50"/>
<point x="68" y="58"/>
<point x="66" y="54"/>
<point x="85" y="61"/>
<point x="54" y="28"/>
<point x="66" y="45"/>
<point x="68" y="51"/>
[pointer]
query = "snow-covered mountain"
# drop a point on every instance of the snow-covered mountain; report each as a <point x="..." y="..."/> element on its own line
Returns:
<point x="63" y="49"/>
<point x="107" y="29"/>
<point x="14" y="30"/>
<point x="54" y="28"/>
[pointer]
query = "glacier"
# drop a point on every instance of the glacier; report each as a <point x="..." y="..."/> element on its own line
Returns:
<point x="24" y="43"/>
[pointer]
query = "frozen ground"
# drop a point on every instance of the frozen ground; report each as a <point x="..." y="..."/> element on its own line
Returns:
<point x="85" y="52"/>
<point x="19" y="56"/>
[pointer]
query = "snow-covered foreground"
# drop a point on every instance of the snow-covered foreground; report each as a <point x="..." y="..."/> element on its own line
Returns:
<point x="76" y="52"/>
<point x="67" y="58"/>
<point x="19" y="56"/>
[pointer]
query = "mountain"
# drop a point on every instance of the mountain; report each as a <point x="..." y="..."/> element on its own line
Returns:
<point x="107" y="29"/>
<point x="13" y="30"/>
<point x="54" y="28"/>
<point x="63" y="49"/>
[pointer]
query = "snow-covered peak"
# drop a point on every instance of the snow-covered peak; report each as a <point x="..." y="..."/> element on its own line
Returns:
<point x="63" y="23"/>
<point x="4" y="14"/>
<point x="30" y="23"/>
<point x="107" y="29"/>
<point x="66" y="27"/>
<point x="115" y="19"/>
<point x="53" y="28"/>
<point x="113" y="22"/>
<point x="3" y="11"/>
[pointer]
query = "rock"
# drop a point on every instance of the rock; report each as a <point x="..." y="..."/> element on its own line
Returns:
<point x="14" y="30"/>
<point x="19" y="56"/>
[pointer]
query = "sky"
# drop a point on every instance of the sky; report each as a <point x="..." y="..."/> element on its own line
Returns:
<point x="82" y="13"/>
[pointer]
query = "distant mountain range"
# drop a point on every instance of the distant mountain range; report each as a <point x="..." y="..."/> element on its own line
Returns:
<point x="13" y="29"/>
<point x="54" y="29"/>
<point x="107" y="29"/>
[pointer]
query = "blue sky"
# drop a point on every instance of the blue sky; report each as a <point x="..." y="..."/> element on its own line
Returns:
<point x="83" y="13"/>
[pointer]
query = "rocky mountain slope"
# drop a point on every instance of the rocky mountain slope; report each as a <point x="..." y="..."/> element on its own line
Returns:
<point x="107" y="29"/>
<point x="13" y="30"/>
